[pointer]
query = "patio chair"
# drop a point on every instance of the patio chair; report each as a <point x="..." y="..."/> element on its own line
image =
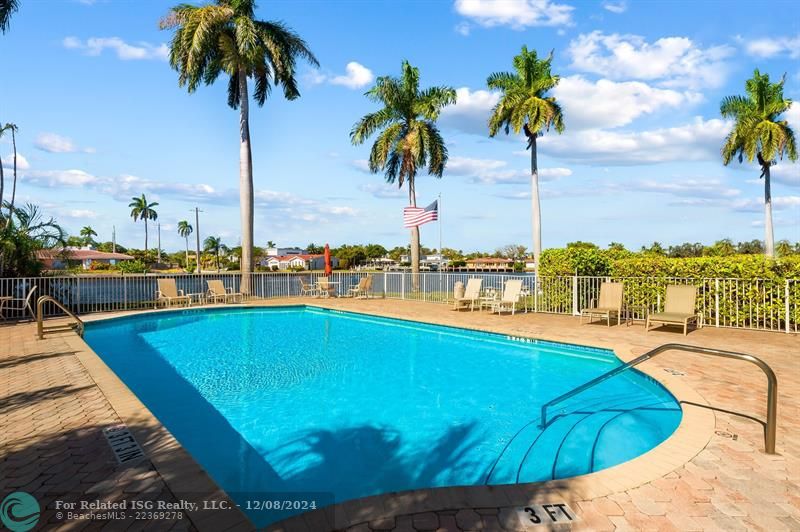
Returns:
<point x="511" y="294"/>
<point x="608" y="304"/>
<point x="168" y="293"/>
<point x="679" y="309"/>
<point x="306" y="289"/>
<point x="472" y="295"/>
<point x="326" y="289"/>
<point x="218" y="292"/>
<point x="362" y="289"/>
<point x="18" y="304"/>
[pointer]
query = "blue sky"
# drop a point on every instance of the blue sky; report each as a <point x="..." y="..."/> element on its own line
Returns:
<point x="101" y="119"/>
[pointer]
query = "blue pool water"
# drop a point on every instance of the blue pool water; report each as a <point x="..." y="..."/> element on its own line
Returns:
<point x="297" y="399"/>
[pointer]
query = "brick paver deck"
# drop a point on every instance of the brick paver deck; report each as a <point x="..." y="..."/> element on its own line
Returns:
<point x="55" y="399"/>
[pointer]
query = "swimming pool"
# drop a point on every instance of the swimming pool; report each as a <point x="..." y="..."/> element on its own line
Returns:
<point x="293" y="400"/>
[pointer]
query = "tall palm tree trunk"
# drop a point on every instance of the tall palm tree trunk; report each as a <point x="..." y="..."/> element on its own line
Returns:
<point x="536" y="212"/>
<point x="412" y="200"/>
<point x="187" y="252"/>
<point x="145" y="239"/>
<point x="769" y="237"/>
<point x="245" y="184"/>
<point x="2" y="186"/>
<point x="14" y="187"/>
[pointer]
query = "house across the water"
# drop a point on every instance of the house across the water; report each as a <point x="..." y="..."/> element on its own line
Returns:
<point x="72" y="256"/>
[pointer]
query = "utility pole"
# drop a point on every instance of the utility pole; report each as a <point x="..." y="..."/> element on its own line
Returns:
<point x="113" y="239"/>
<point x="197" y="212"/>
<point x="159" y="243"/>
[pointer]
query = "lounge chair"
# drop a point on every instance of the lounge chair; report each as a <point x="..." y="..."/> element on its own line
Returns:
<point x="679" y="309"/>
<point x="218" y="292"/>
<point x="511" y="295"/>
<point x="18" y="304"/>
<point x="307" y="290"/>
<point x="168" y="293"/>
<point x="326" y="289"/>
<point x="362" y="289"/>
<point x="472" y="295"/>
<point x="608" y="304"/>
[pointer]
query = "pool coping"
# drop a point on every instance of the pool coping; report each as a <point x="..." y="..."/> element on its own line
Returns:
<point x="182" y="474"/>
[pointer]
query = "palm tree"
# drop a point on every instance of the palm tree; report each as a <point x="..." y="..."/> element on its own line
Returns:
<point x="141" y="210"/>
<point x="409" y="139"/>
<point x="25" y="232"/>
<point x="88" y="233"/>
<point x="758" y="132"/>
<point x="13" y="129"/>
<point x="7" y="7"/>
<point x="270" y="244"/>
<point x="525" y="105"/>
<point x="184" y="229"/>
<point x="225" y="37"/>
<point x="213" y="244"/>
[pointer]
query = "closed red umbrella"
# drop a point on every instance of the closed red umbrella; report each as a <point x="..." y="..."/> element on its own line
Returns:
<point x="328" y="268"/>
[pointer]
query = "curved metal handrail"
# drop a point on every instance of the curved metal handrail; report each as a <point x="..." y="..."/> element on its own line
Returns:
<point x="770" y="427"/>
<point x="40" y="315"/>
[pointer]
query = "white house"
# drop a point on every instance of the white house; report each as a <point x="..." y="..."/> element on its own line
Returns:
<point x="278" y="252"/>
<point x="300" y="261"/>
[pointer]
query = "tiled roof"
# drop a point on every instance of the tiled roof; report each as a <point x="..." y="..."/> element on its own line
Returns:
<point x="79" y="254"/>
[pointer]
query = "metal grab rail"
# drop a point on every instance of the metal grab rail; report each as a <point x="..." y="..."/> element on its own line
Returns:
<point x="41" y="329"/>
<point x="772" y="383"/>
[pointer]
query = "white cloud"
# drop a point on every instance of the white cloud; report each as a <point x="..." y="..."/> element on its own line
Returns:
<point x="356" y="76"/>
<point x="22" y="162"/>
<point x="620" y="6"/>
<point x="60" y="178"/>
<point x="471" y="111"/>
<point x="95" y="46"/>
<point x="463" y="28"/>
<point x="770" y="47"/>
<point x="80" y="214"/>
<point x="699" y="140"/>
<point x="786" y="172"/>
<point x="605" y="103"/>
<point x="383" y="191"/>
<point x="793" y="115"/>
<point x="54" y="143"/>
<point x="492" y="171"/>
<point x="671" y="61"/>
<point x="779" y="203"/>
<point x="518" y="14"/>
<point x="703" y="189"/>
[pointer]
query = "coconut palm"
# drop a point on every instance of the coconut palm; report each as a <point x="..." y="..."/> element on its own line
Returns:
<point x="524" y="105"/>
<point x="184" y="229"/>
<point x="758" y="132"/>
<point x="214" y="245"/>
<point x="141" y="210"/>
<point x="88" y="234"/>
<point x="26" y="231"/>
<point x="409" y="139"/>
<point x="225" y="37"/>
<point x="7" y="7"/>
<point x="13" y="129"/>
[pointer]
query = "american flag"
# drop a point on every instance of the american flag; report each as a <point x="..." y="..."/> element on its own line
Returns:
<point x="416" y="216"/>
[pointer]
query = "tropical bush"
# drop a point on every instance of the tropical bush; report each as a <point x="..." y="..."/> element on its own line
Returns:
<point x="132" y="266"/>
<point x="23" y="232"/>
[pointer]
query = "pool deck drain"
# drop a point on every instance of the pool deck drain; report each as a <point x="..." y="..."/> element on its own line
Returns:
<point x="56" y="397"/>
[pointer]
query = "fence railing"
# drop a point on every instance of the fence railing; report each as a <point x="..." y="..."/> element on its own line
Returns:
<point x="762" y="304"/>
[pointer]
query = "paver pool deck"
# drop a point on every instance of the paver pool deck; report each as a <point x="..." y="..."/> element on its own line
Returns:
<point x="56" y="396"/>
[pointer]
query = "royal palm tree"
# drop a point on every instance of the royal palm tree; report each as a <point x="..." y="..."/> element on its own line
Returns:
<point x="7" y="7"/>
<point x="184" y="229"/>
<point x="141" y="210"/>
<point x="524" y="105"/>
<point x="214" y="245"/>
<point x="758" y="132"/>
<point x="225" y="37"/>
<point x="88" y="234"/>
<point x="13" y="129"/>
<point x="409" y="139"/>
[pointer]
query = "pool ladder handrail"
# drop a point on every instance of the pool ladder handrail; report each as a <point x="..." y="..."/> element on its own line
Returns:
<point x="78" y="326"/>
<point x="770" y="427"/>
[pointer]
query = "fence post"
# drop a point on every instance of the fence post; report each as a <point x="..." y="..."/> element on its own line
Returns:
<point x="403" y="286"/>
<point x="125" y="291"/>
<point x="716" y="301"/>
<point x="788" y="314"/>
<point x="536" y="293"/>
<point x="575" y="295"/>
<point x="288" y="285"/>
<point x="385" y="275"/>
